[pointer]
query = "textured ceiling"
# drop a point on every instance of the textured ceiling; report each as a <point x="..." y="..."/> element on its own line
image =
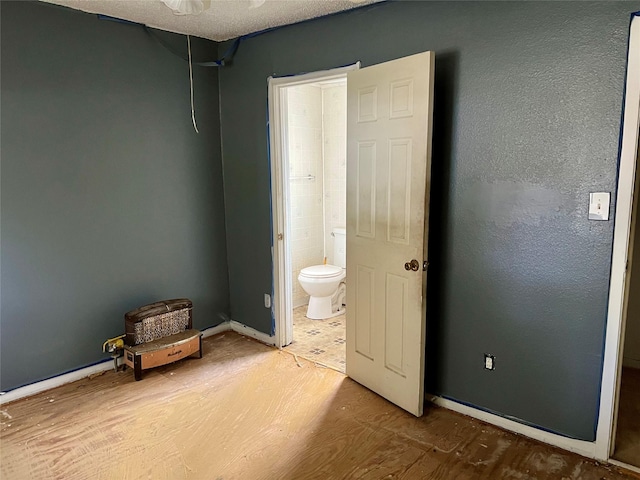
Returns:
<point x="224" y="19"/>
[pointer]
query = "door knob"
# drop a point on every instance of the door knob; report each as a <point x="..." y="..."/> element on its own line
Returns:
<point x="412" y="265"/>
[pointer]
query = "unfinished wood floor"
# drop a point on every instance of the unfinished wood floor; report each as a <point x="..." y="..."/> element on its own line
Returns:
<point x="247" y="411"/>
<point x="628" y="432"/>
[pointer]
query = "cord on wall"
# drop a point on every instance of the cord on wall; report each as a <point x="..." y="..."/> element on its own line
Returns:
<point x="193" y="113"/>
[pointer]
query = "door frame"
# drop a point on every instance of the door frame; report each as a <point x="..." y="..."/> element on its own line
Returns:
<point x="282" y="304"/>
<point x="612" y="363"/>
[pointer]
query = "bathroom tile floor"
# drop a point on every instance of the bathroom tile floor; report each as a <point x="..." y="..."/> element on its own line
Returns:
<point x="321" y="341"/>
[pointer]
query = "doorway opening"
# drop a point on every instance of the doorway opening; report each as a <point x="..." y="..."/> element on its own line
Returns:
<point x="618" y="434"/>
<point x="626" y="440"/>
<point x="388" y="136"/>
<point x="308" y="116"/>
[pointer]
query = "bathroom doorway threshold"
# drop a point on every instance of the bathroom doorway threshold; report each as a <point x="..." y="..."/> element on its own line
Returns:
<point x="282" y="304"/>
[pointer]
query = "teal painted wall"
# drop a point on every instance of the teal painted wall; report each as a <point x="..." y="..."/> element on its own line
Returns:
<point x="109" y="199"/>
<point x="527" y="116"/>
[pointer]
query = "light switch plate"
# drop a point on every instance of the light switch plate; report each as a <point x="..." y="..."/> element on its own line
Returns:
<point x="599" y="206"/>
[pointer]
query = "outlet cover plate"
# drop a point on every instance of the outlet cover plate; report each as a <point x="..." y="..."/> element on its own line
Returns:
<point x="489" y="362"/>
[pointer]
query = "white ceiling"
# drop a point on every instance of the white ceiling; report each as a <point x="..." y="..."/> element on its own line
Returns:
<point x="224" y="19"/>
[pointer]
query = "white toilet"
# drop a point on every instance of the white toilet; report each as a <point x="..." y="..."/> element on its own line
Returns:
<point x="324" y="283"/>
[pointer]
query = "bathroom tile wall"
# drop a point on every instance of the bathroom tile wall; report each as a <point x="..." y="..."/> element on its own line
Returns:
<point x="305" y="158"/>
<point x="334" y="101"/>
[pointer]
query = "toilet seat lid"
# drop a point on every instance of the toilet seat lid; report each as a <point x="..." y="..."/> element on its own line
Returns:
<point x="321" y="271"/>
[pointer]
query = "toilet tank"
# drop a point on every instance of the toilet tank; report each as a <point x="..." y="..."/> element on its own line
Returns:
<point x="339" y="247"/>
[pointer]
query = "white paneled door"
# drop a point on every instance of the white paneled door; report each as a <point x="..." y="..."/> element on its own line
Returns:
<point x="389" y="110"/>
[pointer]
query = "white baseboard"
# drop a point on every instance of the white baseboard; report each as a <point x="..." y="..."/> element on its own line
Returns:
<point x="633" y="468"/>
<point x="250" y="332"/>
<point x="587" y="449"/>
<point x="630" y="362"/>
<point x="53" y="382"/>
<point x="59" y="380"/>
<point x="223" y="327"/>
<point x="582" y="447"/>
<point x="241" y="329"/>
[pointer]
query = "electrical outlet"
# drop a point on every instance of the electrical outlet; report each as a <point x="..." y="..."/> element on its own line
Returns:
<point x="489" y="362"/>
<point x="267" y="300"/>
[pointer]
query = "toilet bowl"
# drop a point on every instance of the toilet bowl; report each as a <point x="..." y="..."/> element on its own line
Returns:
<point x="321" y="282"/>
<point x="325" y="283"/>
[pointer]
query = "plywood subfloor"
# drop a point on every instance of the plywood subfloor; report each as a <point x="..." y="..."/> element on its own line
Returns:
<point x="321" y="341"/>
<point x="247" y="411"/>
<point x="627" y="447"/>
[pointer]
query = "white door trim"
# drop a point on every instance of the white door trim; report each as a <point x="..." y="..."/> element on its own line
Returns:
<point x="282" y="306"/>
<point x="624" y="202"/>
